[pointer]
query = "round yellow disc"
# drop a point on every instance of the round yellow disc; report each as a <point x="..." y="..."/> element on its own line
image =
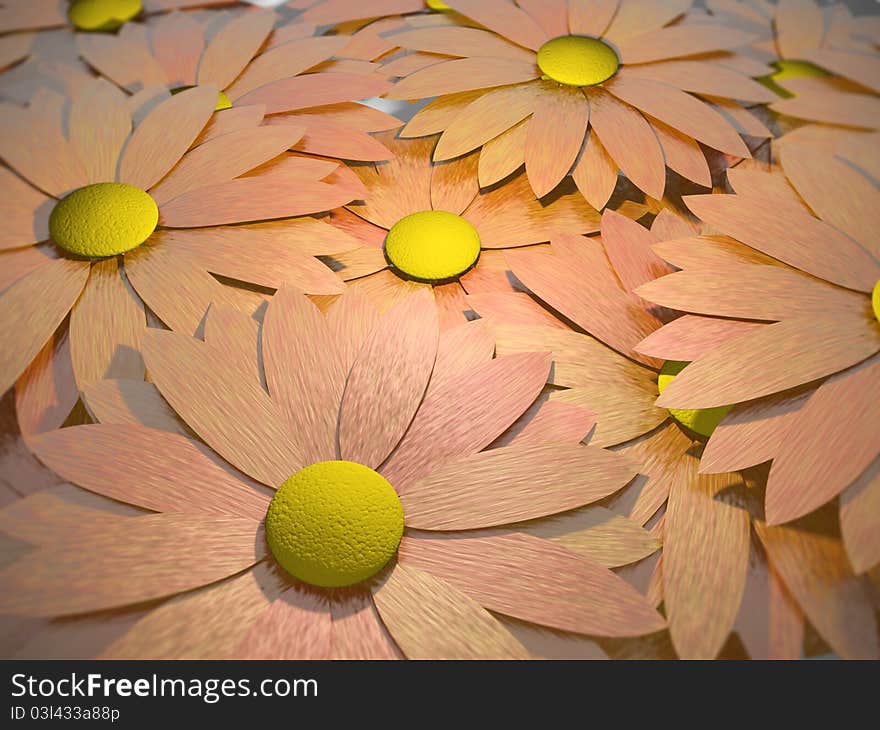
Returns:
<point x="334" y="523"/>
<point x="437" y="5"/>
<point x="702" y="421"/>
<point x="432" y="245"/>
<point x="790" y="69"/>
<point x="103" y="219"/>
<point x="578" y="60"/>
<point x="875" y="300"/>
<point x="223" y="101"/>
<point x="102" y="15"/>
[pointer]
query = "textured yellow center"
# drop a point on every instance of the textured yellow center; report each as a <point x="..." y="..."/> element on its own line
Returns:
<point x="437" y="5"/>
<point x="875" y="300"/>
<point x="577" y="60"/>
<point x="432" y="245"/>
<point x="101" y="15"/>
<point x="790" y="69"/>
<point x="702" y="421"/>
<point x="223" y="101"/>
<point x="103" y="219"/>
<point x="334" y="523"/>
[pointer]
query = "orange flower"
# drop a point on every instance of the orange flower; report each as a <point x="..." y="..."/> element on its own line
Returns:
<point x="410" y="187"/>
<point x="798" y="351"/>
<point x="106" y="216"/>
<point x="581" y="87"/>
<point x="827" y="66"/>
<point x="383" y="395"/>
<point x="287" y="72"/>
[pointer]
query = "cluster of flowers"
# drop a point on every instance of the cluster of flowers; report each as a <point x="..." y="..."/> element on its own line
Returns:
<point x="577" y="356"/>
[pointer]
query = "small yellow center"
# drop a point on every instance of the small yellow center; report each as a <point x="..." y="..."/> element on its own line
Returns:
<point x="223" y="101"/>
<point x="702" y="421"/>
<point x="437" y="5"/>
<point x="875" y="300"/>
<point x="102" y="15"/>
<point x="334" y="523"/>
<point x="790" y="69"/>
<point x="103" y="219"/>
<point x="578" y="60"/>
<point x="432" y="245"/>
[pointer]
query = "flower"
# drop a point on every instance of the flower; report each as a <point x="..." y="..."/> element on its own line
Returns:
<point x="783" y="572"/>
<point x="87" y="15"/>
<point x="430" y="223"/>
<point x="105" y="218"/>
<point x="826" y="66"/>
<point x="797" y="350"/>
<point x="589" y="89"/>
<point x="288" y="72"/>
<point x="360" y="432"/>
<point x="40" y="36"/>
<point x="588" y="282"/>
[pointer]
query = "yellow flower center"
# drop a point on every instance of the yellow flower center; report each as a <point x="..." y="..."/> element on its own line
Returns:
<point x="703" y="420"/>
<point x="102" y="15"/>
<point x="437" y="5"/>
<point x="432" y="245"/>
<point x="790" y="69"/>
<point x="334" y="523"/>
<point x="103" y="219"/>
<point x="875" y="300"/>
<point x="223" y="101"/>
<point x="578" y="60"/>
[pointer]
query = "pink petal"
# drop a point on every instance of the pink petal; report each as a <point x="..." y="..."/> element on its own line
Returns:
<point x="387" y="381"/>
<point x="534" y="580"/>
<point x="705" y="554"/>
<point x="555" y="135"/>
<point x="357" y="632"/>
<point x="304" y="372"/>
<point x="204" y="624"/>
<point x="791" y="353"/>
<point x="105" y="327"/>
<point x="790" y="235"/>
<point x="162" y="138"/>
<point x="431" y="619"/>
<point x="234" y="45"/>
<point x="595" y="173"/>
<point x="32" y="309"/>
<point x="40" y="583"/>
<point x="99" y="126"/>
<point x="511" y="484"/>
<point x="131" y="403"/>
<point x="628" y="140"/>
<point x="819" y="456"/>
<point x="814" y="567"/>
<point x="315" y="89"/>
<point x="752" y="433"/>
<point x="46" y="392"/>
<point x="156" y="470"/>
<point x="256" y="439"/>
<point x="859" y="512"/>
<point x="225" y="158"/>
<point x="680" y="110"/>
<point x="492" y="395"/>
<point x="296" y="625"/>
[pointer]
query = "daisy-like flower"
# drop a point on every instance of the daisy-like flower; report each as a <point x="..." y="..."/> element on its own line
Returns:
<point x="797" y="284"/>
<point x="289" y="72"/>
<point x="583" y="87"/>
<point x="392" y="529"/>
<point x="87" y="15"/>
<point x="712" y="577"/>
<point x="827" y="67"/>
<point x="103" y="218"/>
<point x="425" y="224"/>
